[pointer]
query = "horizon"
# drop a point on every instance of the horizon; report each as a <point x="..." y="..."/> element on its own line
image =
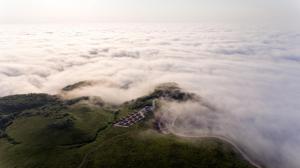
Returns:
<point x="64" y="11"/>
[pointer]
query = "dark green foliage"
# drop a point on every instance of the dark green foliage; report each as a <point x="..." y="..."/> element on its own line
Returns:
<point x="18" y="103"/>
<point x="168" y="91"/>
<point x="140" y="103"/>
<point x="76" y="86"/>
<point x="171" y="91"/>
<point x="76" y="100"/>
<point x="2" y="134"/>
<point x="5" y="120"/>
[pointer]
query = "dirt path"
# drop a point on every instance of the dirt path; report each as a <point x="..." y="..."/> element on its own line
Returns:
<point x="244" y="155"/>
<point x="222" y="138"/>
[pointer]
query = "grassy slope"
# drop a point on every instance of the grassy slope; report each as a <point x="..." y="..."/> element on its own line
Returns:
<point x="92" y="137"/>
<point x="138" y="147"/>
<point x="41" y="145"/>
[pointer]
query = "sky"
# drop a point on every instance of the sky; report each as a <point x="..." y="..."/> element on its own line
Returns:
<point x="17" y="11"/>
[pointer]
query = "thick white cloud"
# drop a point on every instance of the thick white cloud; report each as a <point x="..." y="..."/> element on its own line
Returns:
<point x="250" y="74"/>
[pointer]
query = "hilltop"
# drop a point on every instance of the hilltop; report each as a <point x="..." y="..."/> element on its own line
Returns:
<point x="46" y="131"/>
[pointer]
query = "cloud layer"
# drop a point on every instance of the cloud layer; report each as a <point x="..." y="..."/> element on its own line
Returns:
<point x="250" y="74"/>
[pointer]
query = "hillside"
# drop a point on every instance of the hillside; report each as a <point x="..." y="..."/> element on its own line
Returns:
<point x="45" y="131"/>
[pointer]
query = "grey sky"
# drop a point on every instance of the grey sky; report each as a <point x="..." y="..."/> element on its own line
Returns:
<point x="107" y="10"/>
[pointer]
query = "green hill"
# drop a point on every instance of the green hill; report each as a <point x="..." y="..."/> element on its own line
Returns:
<point x="44" y="131"/>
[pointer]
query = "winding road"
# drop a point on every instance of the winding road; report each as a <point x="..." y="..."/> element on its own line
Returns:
<point x="220" y="137"/>
<point x="244" y="155"/>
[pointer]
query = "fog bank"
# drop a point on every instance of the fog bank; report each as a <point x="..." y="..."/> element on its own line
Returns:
<point x="249" y="74"/>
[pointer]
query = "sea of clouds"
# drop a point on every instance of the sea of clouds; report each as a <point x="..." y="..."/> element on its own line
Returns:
<point x="250" y="74"/>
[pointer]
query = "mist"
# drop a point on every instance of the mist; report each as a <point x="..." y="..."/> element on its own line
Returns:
<point x="250" y="75"/>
